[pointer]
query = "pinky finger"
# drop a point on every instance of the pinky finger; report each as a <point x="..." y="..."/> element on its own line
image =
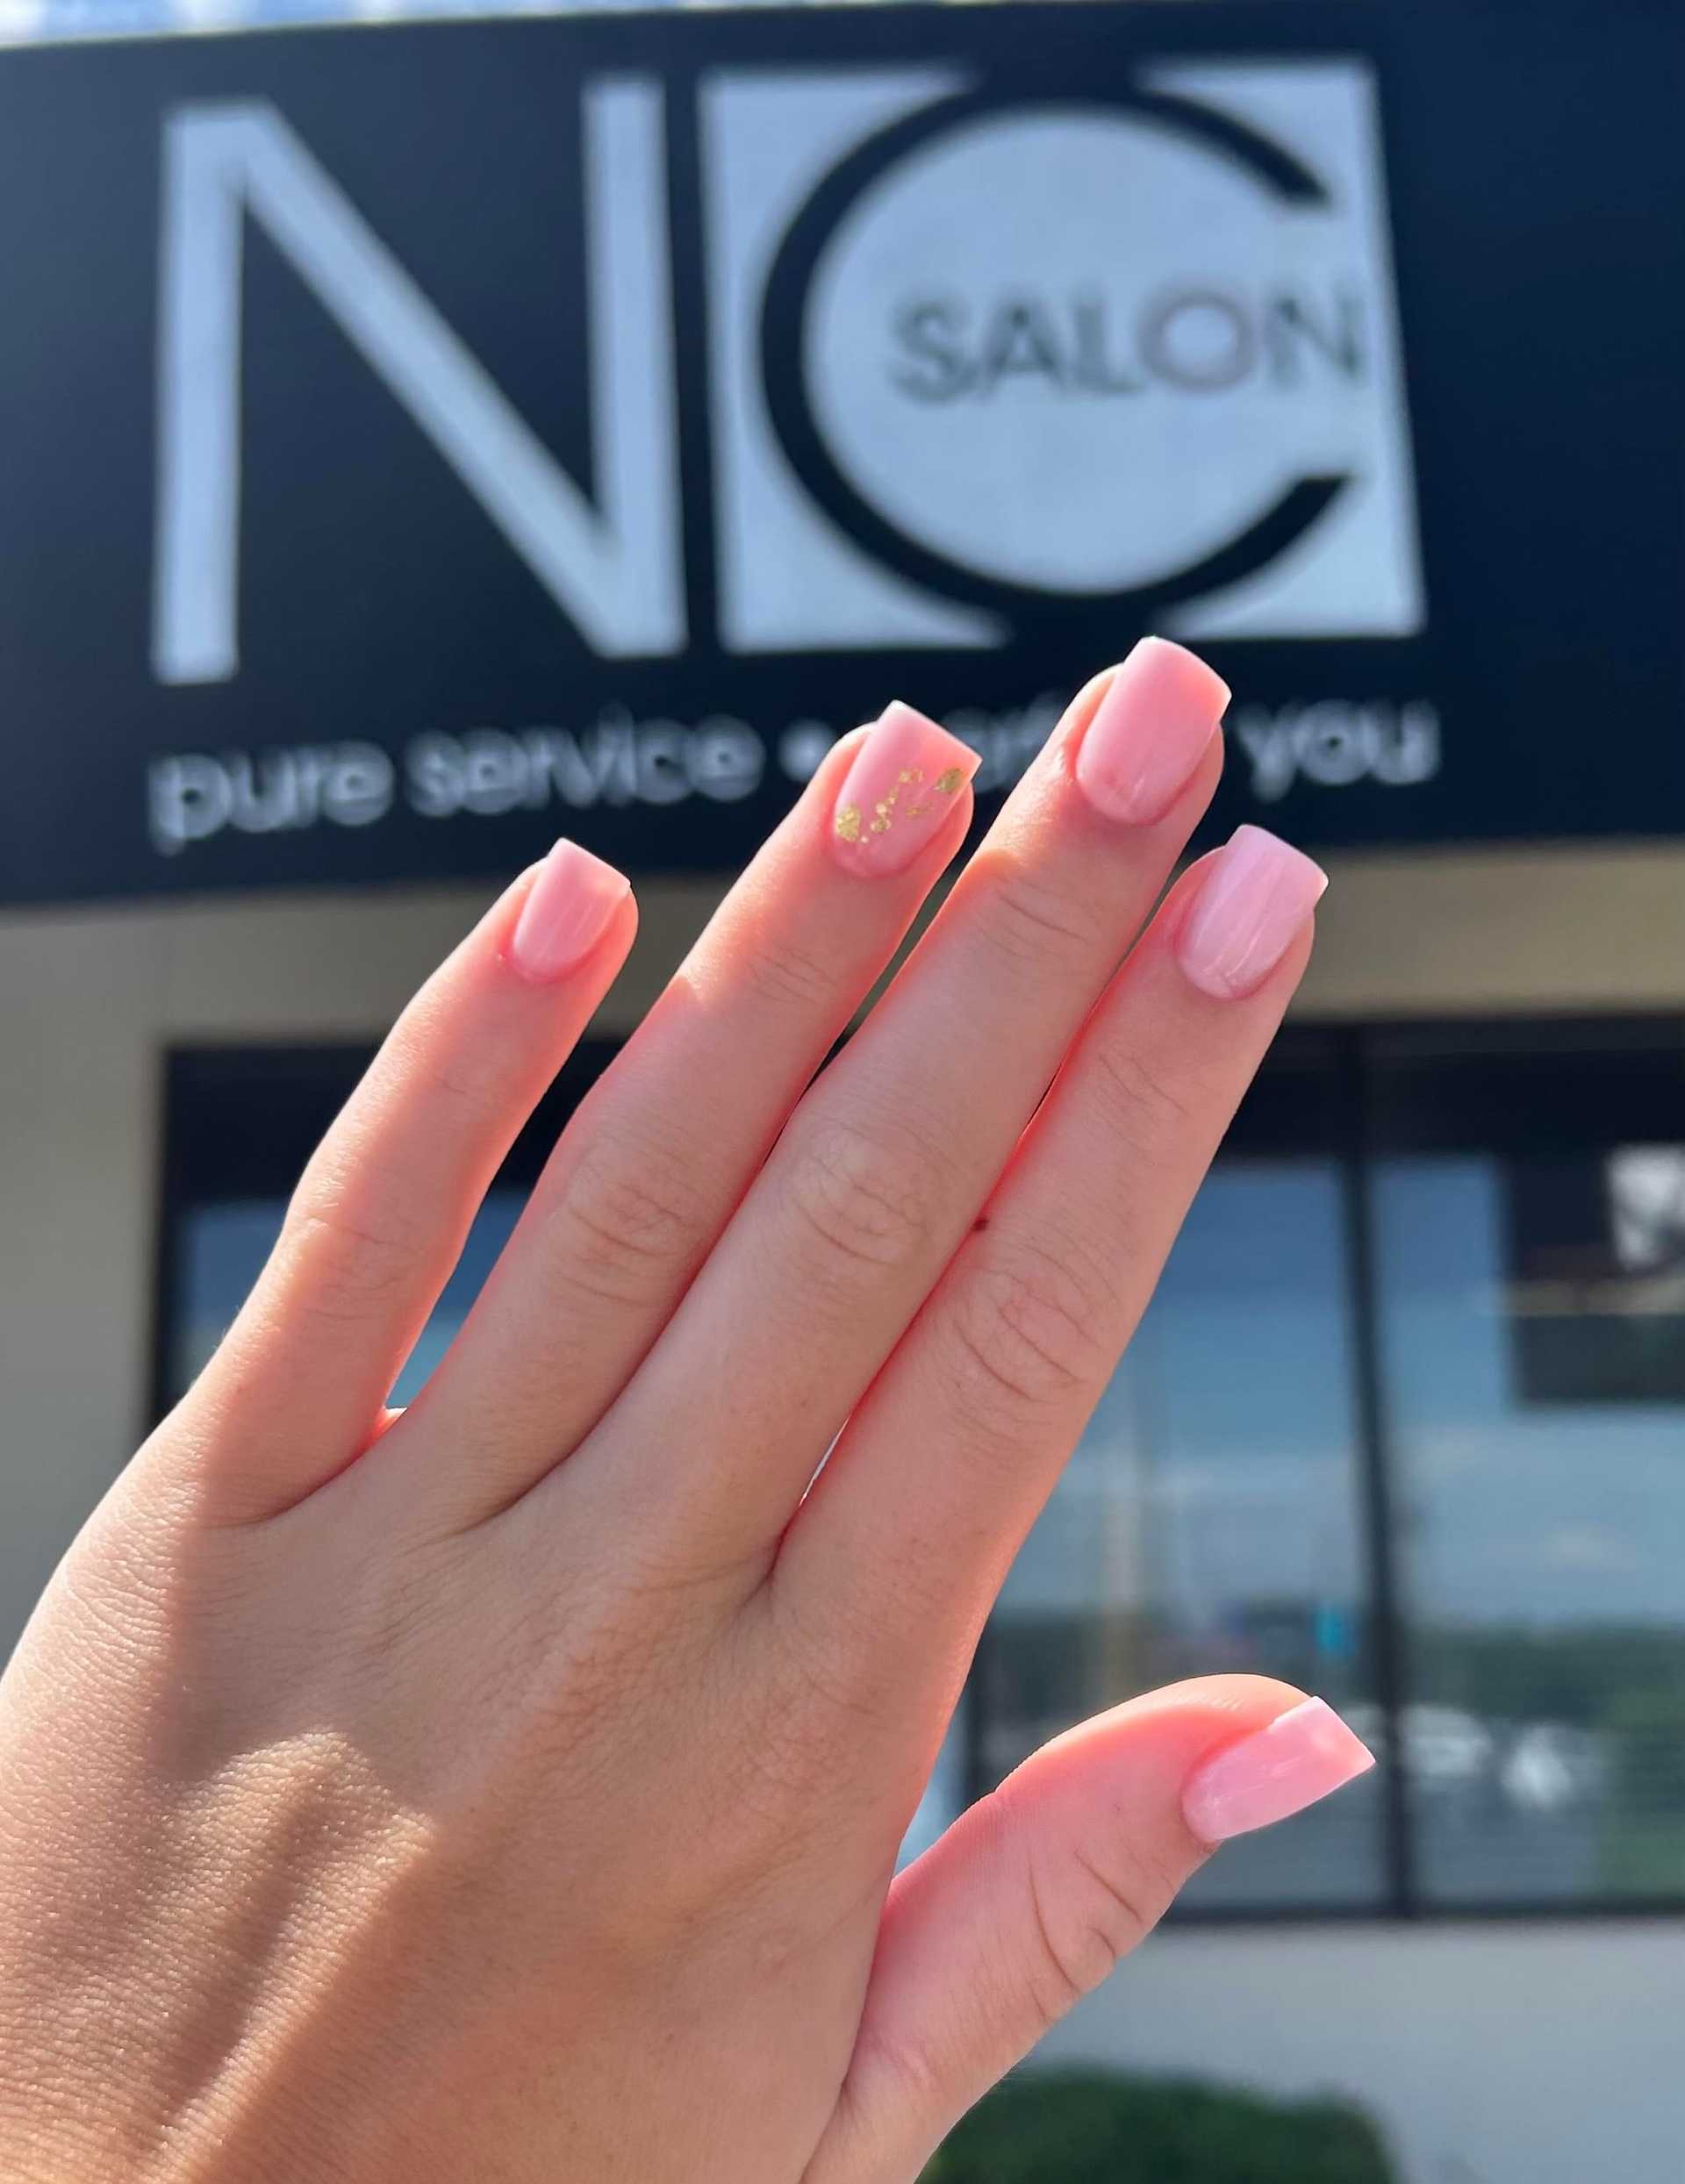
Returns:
<point x="382" y="1208"/>
<point x="1031" y="1897"/>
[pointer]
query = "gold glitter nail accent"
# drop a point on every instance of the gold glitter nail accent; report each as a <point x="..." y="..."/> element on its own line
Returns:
<point x="848" y="818"/>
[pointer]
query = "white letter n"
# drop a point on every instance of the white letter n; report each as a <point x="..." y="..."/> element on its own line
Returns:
<point x="613" y="567"/>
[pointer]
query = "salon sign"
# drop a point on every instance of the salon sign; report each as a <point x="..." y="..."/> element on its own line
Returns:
<point x="434" y="439"/>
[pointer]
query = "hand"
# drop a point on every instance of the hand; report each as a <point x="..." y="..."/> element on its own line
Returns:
<point x="510" y="1788"/>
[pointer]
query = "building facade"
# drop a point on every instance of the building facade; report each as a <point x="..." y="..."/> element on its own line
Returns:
<point x="333" y="583"/>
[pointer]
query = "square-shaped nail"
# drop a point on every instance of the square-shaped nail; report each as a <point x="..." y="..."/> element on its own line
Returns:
<point x="899" y="790"/>
<point x="1149" y="732"/>
<point x="1255" y="896"/>
<point x="1304" y="1754"/>
<point x="566" y="912"/>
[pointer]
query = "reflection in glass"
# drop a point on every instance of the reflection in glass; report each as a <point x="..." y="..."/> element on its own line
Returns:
<point x="1533" y="1339"/>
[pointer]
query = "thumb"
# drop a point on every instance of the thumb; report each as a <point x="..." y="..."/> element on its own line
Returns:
<point x="1032" y="1896"/>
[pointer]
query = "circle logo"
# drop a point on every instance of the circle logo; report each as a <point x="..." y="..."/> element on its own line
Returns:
<point x="1040" y="353"/>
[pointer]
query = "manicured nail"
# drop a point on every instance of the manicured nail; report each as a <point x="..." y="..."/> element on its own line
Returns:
<point x="1256" y="894"/>
<point x="1149" y="732"/>
<point x="899" y="791"/>
<point x="1304" y="1754"/>
<point x="566" y="912"/>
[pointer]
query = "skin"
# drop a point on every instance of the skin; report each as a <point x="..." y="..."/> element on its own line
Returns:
<point x="511" y="1788"/>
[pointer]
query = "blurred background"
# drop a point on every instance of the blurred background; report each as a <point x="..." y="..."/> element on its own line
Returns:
<point x="419" y="438"/>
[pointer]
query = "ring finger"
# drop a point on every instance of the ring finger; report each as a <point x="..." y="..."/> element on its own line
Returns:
<point x="997" y="1377"/>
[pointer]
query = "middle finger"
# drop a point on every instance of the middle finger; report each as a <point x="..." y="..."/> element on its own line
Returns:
<point x="885" y="1164"/>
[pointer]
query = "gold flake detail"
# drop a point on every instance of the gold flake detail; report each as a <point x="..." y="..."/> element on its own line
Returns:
<point x="949" y="781"/>
<point x="849" y="819"/>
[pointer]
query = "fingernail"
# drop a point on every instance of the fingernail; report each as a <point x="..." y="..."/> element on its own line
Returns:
<point x="1303" y="1755"/>
<point x="1149" y="732"/>
<point x="899" y="792"/>
<point x="566" y="912"/>
<point x="1255" y="897"/>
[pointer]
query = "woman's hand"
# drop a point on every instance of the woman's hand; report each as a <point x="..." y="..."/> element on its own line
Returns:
<point x="511" y="1788"/>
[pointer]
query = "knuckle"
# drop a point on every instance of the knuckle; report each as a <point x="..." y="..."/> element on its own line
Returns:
<point x="627" y="1219"/>
<point x="1084" y="1916"/>
<point x="1142" y="1106"/>
<point x="869" y="1195"/>
<point x="352" y="1259"/>
<point x="1030" y="1330"/>
<point x="426" y="1063"/>
<point x="788" y="975"/>
<point x="1026" y="919"/>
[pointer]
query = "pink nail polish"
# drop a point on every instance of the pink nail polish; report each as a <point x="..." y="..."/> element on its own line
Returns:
<point x="1304" y="1754"/>
<point x="566" y="912"/>
<point x="899" y="792"/>
<point x="1149" y="732"/>
<point x="1255" y="895"/>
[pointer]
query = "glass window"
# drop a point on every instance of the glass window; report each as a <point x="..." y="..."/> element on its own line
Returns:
<point x="1531" y="1304"/>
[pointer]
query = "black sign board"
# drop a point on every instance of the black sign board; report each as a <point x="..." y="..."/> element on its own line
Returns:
<point x="419" y="441"/>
